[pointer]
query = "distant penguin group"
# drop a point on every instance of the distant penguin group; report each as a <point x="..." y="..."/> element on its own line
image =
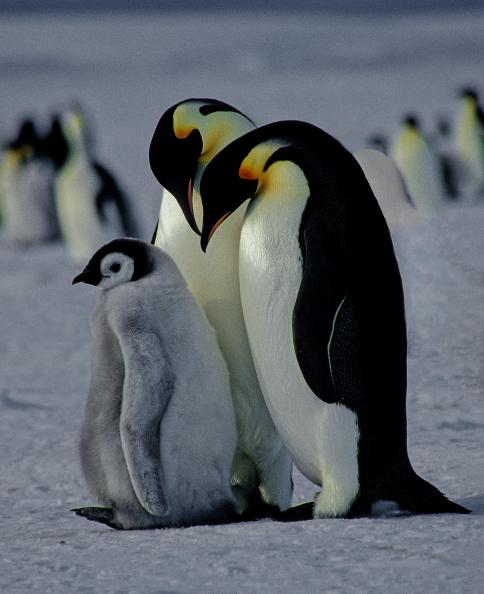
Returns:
<point x="444" y="167"/>
<point x="27" y="188"/>
<point x="280" y="237"/>
<point x="51" y="187"/>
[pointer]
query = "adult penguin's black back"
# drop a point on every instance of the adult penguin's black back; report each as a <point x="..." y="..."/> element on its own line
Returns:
<point x="349" y="327"/>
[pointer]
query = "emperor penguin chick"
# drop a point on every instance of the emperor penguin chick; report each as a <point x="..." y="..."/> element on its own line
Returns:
<point x="186" y="139"/>
<point x="419" y="167"/>
<point x="159" y="435"/>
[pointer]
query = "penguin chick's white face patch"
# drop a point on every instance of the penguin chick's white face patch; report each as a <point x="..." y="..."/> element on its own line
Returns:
<point x="116" y="268"/>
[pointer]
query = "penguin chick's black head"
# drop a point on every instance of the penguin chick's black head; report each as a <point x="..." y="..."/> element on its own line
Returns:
<point x="119" y="261"/>
<point x="175" y="151"/>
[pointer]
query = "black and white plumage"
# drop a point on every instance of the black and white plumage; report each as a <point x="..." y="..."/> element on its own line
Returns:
<point x="159" y="435"/>
<point x="28" y="174"/>
<point x="187" y="137"/>
<point x="91" y="207"/>
<point x="323" y="305"/>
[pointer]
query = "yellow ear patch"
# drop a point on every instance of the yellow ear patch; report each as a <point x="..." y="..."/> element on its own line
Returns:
<point x="252" y="166"/>
<point x="245" y="172"/>
<point x="184" y="120"/>
<point x="14" y="156"/>
<point x="182" y="132"/>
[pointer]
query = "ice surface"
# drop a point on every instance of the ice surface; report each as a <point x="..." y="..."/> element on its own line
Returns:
<point x="350" y="76"/>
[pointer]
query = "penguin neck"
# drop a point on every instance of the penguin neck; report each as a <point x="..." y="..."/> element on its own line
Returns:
<point x="409" y="146"/>
<point x="12" y="160"/>
<point x="468" y="122"/>
<point x="78" y="153"/>
<point x="280" y="201"/>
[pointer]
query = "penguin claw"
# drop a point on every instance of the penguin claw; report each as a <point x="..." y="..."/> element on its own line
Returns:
<point x="103" y="515"/>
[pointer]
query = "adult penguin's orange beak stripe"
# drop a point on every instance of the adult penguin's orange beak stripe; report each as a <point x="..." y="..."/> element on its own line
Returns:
<point x="207" y="233"/>
<point x="174" y="162"/>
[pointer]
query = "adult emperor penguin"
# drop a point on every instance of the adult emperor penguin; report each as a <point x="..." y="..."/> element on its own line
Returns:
<point x="159" y="432"/>
<point x="28" y="188"/>
<point x="90" y="205"/>
<point x="469" y="139"/>
<point x="187" y="137"/>
<point x="323" y="305"/>
<point x="419" y="166"/>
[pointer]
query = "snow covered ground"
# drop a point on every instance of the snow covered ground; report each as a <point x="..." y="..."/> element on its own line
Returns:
<point x="350" y="76"/>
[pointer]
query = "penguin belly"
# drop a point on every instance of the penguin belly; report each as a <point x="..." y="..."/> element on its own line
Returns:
<point x="198" y="434"/>
<point x="36" y="204"/>
<point x="420" y="170"/>
<point x="471" y="152"/>
<point x="322" y="437"/>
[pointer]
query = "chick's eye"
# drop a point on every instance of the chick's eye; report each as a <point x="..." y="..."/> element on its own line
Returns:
<point x="115" y="267"/>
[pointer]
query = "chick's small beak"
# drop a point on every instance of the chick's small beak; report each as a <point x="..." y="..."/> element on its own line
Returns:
<point x="78" y="279"/>
<point x="87" y="276"/>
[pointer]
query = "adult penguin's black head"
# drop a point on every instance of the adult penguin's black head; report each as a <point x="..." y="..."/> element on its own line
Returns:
<point x="245" y="168"/>
<point x="186" y="138"/>
<point x="239" y="171"/>
<point x="55" y="144"/>
<point x="411" y="121"/>
<point x="469" y="93"/>
<point x="25" y="144"/>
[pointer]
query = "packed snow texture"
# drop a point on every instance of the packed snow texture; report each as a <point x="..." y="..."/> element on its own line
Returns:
<point x="349" y="75"/>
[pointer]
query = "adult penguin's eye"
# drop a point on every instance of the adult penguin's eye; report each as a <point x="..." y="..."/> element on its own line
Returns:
<point x="115" y="267"/>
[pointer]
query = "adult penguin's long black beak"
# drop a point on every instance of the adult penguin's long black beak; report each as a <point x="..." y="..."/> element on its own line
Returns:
<point x="222" y="191"/>
<point x="209" y="229"/>
<point x="174" y="161"/>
